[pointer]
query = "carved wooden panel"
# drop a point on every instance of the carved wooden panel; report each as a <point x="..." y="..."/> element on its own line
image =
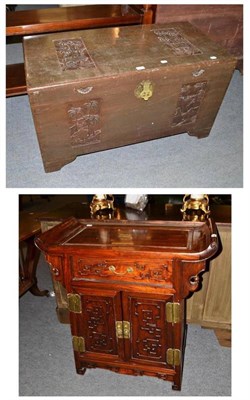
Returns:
<point x="157" y="272"/>
<point x="175" y="40"/>
<point x="84" y="121"/>
<point x="73" y="54"/>
<point x="98" y="318"/>
<point x="149" y="331"/>
<point x="190" y="99"/>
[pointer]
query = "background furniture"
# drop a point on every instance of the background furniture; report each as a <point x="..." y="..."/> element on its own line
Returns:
<point x="38" y="21"/>
<point x="222" y="23"/>
<point x="28" y="255"/>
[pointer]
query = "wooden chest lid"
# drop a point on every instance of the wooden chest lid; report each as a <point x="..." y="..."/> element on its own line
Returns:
<point x="67" y="57"/>
<point x="197" y="239"/>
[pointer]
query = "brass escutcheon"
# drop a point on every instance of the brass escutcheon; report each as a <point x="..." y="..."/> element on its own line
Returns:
<point x="144" y="90"/>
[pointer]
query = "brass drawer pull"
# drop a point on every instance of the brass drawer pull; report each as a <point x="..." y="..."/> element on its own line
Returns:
<point x="112" y="268"/>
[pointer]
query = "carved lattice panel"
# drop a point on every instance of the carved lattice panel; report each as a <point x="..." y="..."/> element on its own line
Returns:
<point x="99" y="324"/>
<point x="148" y="328"/>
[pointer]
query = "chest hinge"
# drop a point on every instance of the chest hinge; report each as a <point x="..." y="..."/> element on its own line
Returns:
<point x="74" y="302"/>
<point x="173" y="313"/>
<point x="173" y="357"/>
<point x="78" y="344"/>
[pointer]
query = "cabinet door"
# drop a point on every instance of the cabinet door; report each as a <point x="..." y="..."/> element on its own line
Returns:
<point x="97" y="323"/>
<point x="150" y="334"/>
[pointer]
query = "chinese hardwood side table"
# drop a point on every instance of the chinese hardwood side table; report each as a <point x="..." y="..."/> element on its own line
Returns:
<point x="126" y="285"/>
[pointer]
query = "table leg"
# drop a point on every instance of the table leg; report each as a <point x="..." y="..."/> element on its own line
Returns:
<point x="29" y="261"/>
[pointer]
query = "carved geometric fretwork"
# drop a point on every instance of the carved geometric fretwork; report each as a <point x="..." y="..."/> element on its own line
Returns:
<point x="190" y="99"/>
<point x="176" y="41"/>
<point x="100" y="334"/>
<point x="148" y="329"/>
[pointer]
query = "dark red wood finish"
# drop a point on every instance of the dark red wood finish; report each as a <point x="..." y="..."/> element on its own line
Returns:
<point x="128" y="271"/>
<point x="28" y="258"/>
<point x="15" y="80"/>
<point x="30" y="22"/>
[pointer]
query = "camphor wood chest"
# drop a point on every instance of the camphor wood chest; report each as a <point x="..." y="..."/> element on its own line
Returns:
<point x="98" y="89"/>
<point x="126" y="285"/>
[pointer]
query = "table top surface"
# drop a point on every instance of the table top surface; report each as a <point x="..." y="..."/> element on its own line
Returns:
<point x="70" y="57"/>
<point x="196" y="239"/>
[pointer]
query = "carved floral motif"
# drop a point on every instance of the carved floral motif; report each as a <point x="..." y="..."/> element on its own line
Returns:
<point x="85" y="123"/>
<point x="73" y="54"/>
<point x="136" y="271"/>
<point x="190" y="99"/>
<point x="175" y="40"/>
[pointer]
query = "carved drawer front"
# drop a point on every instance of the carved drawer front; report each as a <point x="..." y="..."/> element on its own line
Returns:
<point x="144" y="271"/>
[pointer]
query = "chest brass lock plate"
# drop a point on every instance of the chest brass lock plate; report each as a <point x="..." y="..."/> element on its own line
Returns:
<point x="144" y="90"/>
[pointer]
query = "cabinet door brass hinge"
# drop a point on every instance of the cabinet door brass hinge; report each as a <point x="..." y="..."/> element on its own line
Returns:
<point x="78" y="344"/>
<point x="122" y="329"/>
<point x="126" y="329"/>
<point x="119" y="330"/>
<point x="74" y="302"/>
<point x="173" y="313"/>
<point x="173" y="357"/>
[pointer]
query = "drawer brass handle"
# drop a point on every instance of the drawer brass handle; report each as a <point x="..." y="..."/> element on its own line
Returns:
<point x="112" y="268"/>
